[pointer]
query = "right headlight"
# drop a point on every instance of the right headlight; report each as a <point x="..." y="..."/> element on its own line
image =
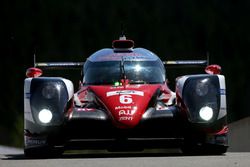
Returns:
<point x="201" y="87"/>
<point x="206" y="113"/>
<point x="201" y="95"/>
<point x="45" y="116"/>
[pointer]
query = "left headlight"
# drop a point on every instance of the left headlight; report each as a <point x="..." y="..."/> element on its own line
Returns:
<point x="49" y="91"/>
<point x="48" y="100"/>
<point x="45" y="116"/>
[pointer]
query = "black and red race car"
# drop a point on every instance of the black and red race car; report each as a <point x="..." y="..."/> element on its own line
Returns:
<point x="124" y="103"/>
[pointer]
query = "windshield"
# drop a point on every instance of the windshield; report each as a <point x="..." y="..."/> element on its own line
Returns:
<point x="144" y="72"/>
<point x="137" y="72"/>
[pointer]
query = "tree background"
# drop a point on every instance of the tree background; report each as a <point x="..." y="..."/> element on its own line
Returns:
<point x="63" y="30"/>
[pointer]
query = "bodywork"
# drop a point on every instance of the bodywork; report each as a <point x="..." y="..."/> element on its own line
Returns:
<point x="124" y="103"/>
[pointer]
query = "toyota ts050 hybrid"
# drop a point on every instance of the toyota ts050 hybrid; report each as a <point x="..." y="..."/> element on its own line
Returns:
<point x="124" y="103"/>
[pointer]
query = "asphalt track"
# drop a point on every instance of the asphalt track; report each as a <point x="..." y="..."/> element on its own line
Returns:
<point x="11" y="157"/>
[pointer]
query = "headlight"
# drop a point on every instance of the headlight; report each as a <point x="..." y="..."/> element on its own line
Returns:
<point x="201" y="88"/>
<point x="206" y="113"/>
<point x="201" y="95"/>
<point x="45" y="116"/>
<point x="48" y="100"/>
<point x="49" y="91"/>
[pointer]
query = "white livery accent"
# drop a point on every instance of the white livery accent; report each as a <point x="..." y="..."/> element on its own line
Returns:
<point x="171" y="99"/>
<point x="27" y="109"/>
<point x="125" y="92"/>
<point x="223" y="104"/>
<point x="180" y="83"/>
<point x="70" y="87"/>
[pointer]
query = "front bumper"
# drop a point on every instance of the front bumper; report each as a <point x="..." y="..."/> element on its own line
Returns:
<point x="94" y="130"/>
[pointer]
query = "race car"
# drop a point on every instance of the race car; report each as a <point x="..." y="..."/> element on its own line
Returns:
<point x="124" y="103"/>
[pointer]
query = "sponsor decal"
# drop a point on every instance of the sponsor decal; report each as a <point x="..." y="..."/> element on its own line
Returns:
<point x="130" y="86"/>
<point x="116" y="87"/>
<point x="125" y="118"/>
<point x="125" y="112"/>
<point x="125" y="92"/>
<point x="27" y="95"/>
<point x="122" y="107"/>
<point x="223" y="91"/>
<point x="85" y="109"/>
<point x="223" y="109"/>
<point x="135" y="58"/>
<point x="34" y="141"/>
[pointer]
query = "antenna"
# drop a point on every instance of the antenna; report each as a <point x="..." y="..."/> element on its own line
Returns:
<point x="34" y="59"/>
<point x="208" y="57"/>
<point x="122" y="36"/>
<point x="122" y="29"/>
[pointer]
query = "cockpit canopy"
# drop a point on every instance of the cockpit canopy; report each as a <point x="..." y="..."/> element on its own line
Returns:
<point x="140" y="66"/>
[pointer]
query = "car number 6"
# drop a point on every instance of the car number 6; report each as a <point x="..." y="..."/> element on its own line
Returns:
<point x="126" y="99"/>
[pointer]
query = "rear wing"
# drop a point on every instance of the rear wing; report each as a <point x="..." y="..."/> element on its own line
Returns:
<point x="186" y="63"/>
<point x="59" y="65"/>
<point x="79" y="65"/>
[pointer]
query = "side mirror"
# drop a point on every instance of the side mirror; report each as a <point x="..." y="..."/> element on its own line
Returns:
<point x="33" y="72"/>
<point x="213" y="69"/>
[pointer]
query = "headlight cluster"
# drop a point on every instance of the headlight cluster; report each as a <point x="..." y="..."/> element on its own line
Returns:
<point x="201" y="95"/>
<point x="48" y="99"/>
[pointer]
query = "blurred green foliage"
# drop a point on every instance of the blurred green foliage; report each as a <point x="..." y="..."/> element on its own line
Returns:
<point x="62" y="30"/>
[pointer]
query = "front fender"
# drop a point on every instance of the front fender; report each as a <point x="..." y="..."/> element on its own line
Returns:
<point x="46" y="93"/>
<point x="202" y="92"/>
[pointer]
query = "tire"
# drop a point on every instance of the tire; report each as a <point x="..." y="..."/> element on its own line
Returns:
<point x="206" y="149"/>
<point x="43" y="152"/>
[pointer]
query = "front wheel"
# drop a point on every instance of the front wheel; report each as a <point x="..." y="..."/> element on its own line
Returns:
<point x="43" y="152"/>
<point x="205" y="149"/>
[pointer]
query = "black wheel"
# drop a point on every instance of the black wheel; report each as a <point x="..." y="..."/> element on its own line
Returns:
<point x="205" y="149"/>
<point x="43" y="152"/>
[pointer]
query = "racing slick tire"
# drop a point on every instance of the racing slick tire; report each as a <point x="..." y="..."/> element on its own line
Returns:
<point x="204" y="149"/>
<point x="43" y="152"/>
